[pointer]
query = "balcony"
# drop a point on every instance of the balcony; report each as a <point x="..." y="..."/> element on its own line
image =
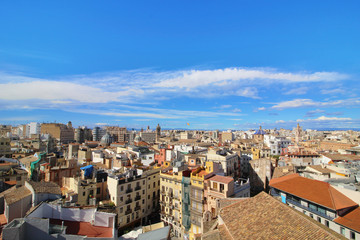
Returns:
<point x="129" y="190"/>
<point x="137" y="208"/>
<point x="128" y="211"/>
<point x="128" y="201"/>
<point x="137" y="188"/>
<point x="138" y="197"/>
<point x="197" y="199"/>
<point x="309" y="209"/>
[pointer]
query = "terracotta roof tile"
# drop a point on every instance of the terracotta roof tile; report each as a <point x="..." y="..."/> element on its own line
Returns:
<point x="350" y="220"/>
<point x="45" y="187"/>
<point x="263" y="217"/>
<point x="315" y="191"/>
<point x="221" y="179"/>
<point x="321" y="169"/>
<point x="17" y="194"/>
<point x="283" y="171"/>
<point x="84" y="229"/>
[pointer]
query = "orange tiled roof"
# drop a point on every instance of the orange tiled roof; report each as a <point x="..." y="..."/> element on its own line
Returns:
<point x="12" y="183"/>
<point x="350" y="220"/>
<point x="84" y="229"/>
<point x="264" y="217"/>
<point x="221" y="179"/>
<point x="315" y="191"/>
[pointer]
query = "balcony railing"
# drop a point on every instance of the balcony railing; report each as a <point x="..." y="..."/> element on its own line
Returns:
<point x="128" y="201"/>
<point x="309" y="209"/>
<point x="137" y="208"/>
<point x="128" y="211"/>
<point x="137" y="188"/>
<point x="129" y="190"/>
<point x="138" y="197"/>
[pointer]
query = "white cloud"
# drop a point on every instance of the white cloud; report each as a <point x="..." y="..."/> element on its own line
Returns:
<point x="333" y="91"/>
<point x="296" y="103"/>
<point x="236" y="110"/>
<point x="59" y="92"/>
<point x="130" y="86"/>
<point x="323" y="118"/>
<point x="101" y="124"/>
<point x="280" y="121"/>
<point x="261" y="109"/>
<point x="197" y="78"/>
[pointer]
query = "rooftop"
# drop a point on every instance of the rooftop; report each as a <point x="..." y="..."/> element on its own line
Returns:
<point x="350" y="220"/>
<point x="84" y="229"/>
<point x="263" y="216"/>
<point x="315" y="191"/>
<point x="16" y="194"/>
<point x="321" y="169"/>
<point x="222" y="179"/>
<point x="342" y="157"/>
<point x="283" y="171"/>
<point x="45" y="187"/>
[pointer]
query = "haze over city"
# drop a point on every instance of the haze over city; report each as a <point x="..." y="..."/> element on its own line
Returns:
<point x="191" y="65"/>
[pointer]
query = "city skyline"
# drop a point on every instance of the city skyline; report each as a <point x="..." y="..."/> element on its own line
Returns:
<point x="234" y="65"/>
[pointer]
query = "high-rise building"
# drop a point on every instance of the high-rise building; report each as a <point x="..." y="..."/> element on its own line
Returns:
<point x="117" y="133"/>
<point x="61" y="132"/>
<point x="34" y="128"/>
<point x="98" y="133"/>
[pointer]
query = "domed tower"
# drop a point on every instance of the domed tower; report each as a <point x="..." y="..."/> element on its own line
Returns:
<point x="69" y="124"/>
<point x="137" y="138"/>
<point x="106" y="140"/>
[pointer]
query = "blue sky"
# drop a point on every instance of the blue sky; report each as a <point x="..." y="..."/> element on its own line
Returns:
<point x="213" y="64"/>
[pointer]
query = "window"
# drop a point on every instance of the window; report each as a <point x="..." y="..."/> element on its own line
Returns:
<point x="352" y="235"/>
<point x="143" y="191"/>
<point x="327" y="223"/>
<point x="121" y="210"/>
<point x="121" y="199"/>
<point x="83" y="193"/>
<point x="98" y="190"/>
<point x="319" y="219"/>
<point x="304" y="212"/>
<point x="215" y="185"/>
<point x="342" y="231"/>
<point x="148" y="196"/>
<point x="122" y="188"/>
<point x="221" y="187"/>
<point x="143" y="201"/>
<point x="154" y="184"/>
<point x="311" y="215"/>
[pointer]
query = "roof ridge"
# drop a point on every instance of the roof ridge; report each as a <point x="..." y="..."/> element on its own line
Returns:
<point x="331" y="196"/>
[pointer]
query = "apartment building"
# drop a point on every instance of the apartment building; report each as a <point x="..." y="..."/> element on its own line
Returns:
<point x="11" y="174"/>
<point x="320" y="201"/>
<point x="61" y="132"/>
<point x="197" y="201"/>
<point x="229" y="161"/>
<point x="220" y="187"/>
<point x="118" y="133"/>
<point x="5" y="148"/>
<point x="136" y="196"/>
<point x="171" y="199"/>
